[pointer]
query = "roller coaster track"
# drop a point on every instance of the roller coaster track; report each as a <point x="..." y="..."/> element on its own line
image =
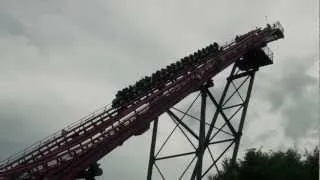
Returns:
<point x="69" y="151"/>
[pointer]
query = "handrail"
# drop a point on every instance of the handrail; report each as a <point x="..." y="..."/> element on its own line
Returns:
<point x="54" y="135"/>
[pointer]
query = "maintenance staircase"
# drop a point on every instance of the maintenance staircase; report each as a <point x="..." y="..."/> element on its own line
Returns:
<point x="71" y="150"/>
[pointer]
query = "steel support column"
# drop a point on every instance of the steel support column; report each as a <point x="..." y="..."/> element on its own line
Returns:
<point x="243" y="116"/>
<point x="152" y="149"/>
<point x="202" y="132"/>
<point x="234" y="75"/>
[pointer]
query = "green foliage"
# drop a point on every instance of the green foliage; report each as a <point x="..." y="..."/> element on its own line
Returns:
<point x="258" y="165"/>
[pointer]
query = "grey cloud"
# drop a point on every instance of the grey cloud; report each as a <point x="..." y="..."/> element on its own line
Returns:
<point x="301" y="117"/>
<point x="10" y="25"/>
<point x="289" y="94"/>
<point x="292" y="84"/>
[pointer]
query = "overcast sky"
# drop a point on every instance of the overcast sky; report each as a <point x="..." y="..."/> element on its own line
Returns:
<point x="62" y="59"/>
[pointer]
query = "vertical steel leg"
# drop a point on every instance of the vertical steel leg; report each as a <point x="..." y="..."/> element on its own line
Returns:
<point x="214" y="119"/>
<point x="243" y="116"/>
<point x="202" y="132"/>
<point x="152" y="148"/>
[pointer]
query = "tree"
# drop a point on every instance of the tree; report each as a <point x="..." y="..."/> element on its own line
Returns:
<point x="289" y="165"/>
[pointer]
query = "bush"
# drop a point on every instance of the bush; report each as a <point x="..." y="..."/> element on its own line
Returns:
<point x="258" y="165"/>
